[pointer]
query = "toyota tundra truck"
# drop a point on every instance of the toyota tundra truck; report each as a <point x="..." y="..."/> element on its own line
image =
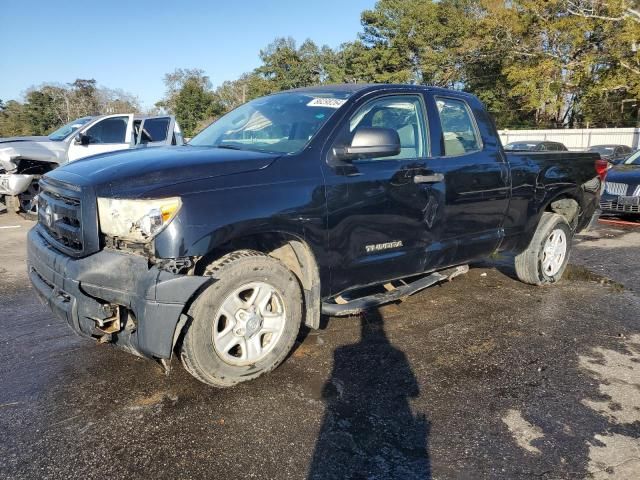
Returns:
<point x="317" y="201"/>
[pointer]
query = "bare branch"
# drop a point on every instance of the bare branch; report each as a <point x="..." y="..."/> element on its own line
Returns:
<point x="629" y="67"/>
<point x="589" y="9"/>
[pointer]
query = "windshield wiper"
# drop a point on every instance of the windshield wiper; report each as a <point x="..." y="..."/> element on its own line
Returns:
<point x="229" y="147"/>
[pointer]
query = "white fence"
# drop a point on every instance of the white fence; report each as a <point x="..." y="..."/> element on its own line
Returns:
<point x="579" y="138"/>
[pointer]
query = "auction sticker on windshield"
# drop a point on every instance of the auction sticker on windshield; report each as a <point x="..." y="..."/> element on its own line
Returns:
<point x="326" y="102"/>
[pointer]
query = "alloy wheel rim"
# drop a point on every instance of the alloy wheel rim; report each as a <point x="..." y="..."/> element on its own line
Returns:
<point x="554" y="252"/>
<point x="249" y="323"/>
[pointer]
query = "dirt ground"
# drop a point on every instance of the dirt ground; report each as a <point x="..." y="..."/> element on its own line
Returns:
<point x="483" y="377"/>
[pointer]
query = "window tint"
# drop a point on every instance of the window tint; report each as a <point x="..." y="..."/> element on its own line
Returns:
<point x="155" y="129"/>
<point x="109" y="130"/>
<point x="458" y="128"/>
<point x="401" y="113"/>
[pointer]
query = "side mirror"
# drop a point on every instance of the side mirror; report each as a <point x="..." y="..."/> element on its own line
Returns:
<point x="82" y="139"/>
<point x="371" y="142"/>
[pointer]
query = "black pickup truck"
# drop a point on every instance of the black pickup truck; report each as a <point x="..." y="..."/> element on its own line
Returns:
<point x="292" y="206"/>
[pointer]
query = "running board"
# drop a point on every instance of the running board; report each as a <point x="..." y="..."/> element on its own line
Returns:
<point x="358" y="305"/>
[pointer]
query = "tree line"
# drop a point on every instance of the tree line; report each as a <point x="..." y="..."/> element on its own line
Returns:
<point x="49" y="106"/>
<point x="534" y="63"/>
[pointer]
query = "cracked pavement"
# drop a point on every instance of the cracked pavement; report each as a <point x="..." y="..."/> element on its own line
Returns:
<point x="482" y="377"/>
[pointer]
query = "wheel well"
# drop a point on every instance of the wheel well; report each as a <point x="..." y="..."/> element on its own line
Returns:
<point x="566" y="206"/>
<point x="290" y="250"/>
<point x="34" y="167"/>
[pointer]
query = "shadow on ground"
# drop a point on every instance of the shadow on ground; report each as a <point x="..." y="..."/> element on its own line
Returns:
<point x="369" y="429"/>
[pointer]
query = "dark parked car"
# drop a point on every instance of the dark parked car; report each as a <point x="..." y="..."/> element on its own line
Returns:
<point x="535" y="146"/>
<point x="612" y="153"/>
<point x="286" y="208"/>
<point x="622" y="188"/>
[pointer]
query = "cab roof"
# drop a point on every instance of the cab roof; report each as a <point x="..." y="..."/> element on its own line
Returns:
<point x="361" y="87"/>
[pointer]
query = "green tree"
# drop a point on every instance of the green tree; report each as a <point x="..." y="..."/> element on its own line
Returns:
<point x="233" y="93"/>
<point x="13" y="120"/>
<point x="42" y="110"/>
<point x="190" y="97"/>
<point x="285" y="66"/>
<point x="534" y="62"/>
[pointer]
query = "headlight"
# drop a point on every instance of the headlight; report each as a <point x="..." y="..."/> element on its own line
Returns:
<point x="136" y="220"/>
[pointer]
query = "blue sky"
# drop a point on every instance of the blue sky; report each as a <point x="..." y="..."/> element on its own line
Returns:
<point x="132" y="44"/>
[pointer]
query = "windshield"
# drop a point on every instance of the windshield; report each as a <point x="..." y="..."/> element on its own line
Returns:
<point x="603" y="150"/>
<point x="520" y="146"/>
<point x="66" y="130"/>
<point x="282" y="123"/>
<point x="634" y="159"/>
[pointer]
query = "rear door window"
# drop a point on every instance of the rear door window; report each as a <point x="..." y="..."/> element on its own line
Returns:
<point x="155" y="130"/>
<point x="459" y="130"/>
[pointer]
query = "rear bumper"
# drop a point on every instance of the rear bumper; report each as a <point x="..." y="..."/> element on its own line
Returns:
<point x="14" y="184"/>
<point x="83" y="292"/>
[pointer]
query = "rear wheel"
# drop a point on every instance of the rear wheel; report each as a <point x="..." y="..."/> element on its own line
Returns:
<point x="545" y="260"/>
<point x="245" y="323"/>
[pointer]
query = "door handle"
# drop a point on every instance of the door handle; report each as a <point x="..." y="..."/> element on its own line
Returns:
<point x="435" y="178"/>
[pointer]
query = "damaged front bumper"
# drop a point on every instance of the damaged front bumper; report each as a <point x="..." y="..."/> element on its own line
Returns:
<point x="111" y="296"/>
<point x="14" y="183"/>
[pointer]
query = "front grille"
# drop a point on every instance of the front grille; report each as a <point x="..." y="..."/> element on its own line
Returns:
<point x="616" y="207"/>
<point x="614" y="188"/>
<point x="60" y="215"/>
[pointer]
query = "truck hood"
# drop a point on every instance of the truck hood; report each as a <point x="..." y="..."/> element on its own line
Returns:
<point x="132" y="173"/>
<point x="13" y="149"/>
<point x="24" y="139"/>
<point x="629" y="174"/>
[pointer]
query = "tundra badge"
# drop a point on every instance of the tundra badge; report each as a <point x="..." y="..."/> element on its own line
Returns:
<point x="383" y="246"/>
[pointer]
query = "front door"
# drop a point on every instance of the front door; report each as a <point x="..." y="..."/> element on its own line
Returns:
<point x="380" y="219"/>
<point x="107" y="135"/>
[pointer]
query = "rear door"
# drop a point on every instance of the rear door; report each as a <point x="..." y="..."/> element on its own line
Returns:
<point x="154" y="131"/>
<point x="108" y="134"/>
<point x="474" y="186"/>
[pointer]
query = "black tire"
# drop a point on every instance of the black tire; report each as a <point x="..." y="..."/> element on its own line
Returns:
<point x="197" y="351"/>
<point x="529" y="264"/>
<point x="28" y="202"/>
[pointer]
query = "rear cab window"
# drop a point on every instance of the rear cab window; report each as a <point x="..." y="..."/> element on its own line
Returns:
<point x="459" y="130"/>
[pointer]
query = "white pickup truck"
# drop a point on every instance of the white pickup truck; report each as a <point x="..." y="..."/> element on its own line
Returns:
<point x="23" y="160"/>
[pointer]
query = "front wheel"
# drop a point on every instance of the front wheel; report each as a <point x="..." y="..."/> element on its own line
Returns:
<point x="546" y="258"/>
<point x="28" y="201"/>
<point x="245" y="323"/>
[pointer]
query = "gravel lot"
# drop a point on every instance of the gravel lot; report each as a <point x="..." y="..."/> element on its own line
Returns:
<point x="482" y="377"/>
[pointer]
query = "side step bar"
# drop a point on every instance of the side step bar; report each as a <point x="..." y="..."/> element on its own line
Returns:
<point x="358" y="305"/>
